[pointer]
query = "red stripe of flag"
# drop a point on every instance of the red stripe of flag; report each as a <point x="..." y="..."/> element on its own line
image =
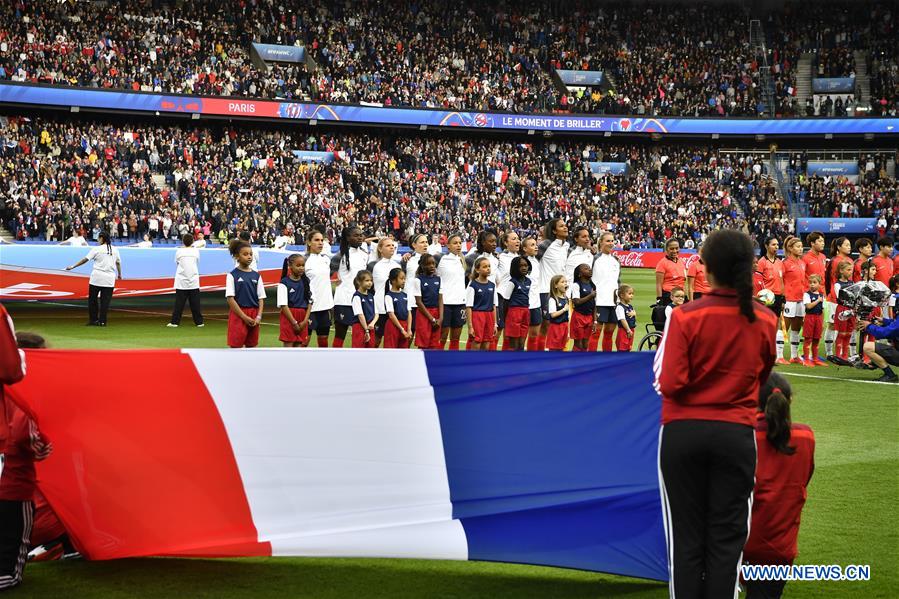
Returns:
<point x="177" y="486"/>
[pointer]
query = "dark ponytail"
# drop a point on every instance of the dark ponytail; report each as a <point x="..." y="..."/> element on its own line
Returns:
<point x="103" y="238"/>
<point x="345" y="244"/>
<point x="287" y="261"/>
<point x="236" y="245"/>
<point x="393" y="276"/>
<point x="727" y="255"/>
<point x="774" y="402"/>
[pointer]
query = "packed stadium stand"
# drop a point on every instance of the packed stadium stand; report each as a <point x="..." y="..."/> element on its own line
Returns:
<point x="657" y="59"/>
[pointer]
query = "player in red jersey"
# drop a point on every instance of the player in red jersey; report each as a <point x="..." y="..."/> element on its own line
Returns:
<point x="840" y="249"/>
<point x="865" y="249"/>
<point x="814" y="258"/>
<point x="794" y="287"/>
<point x="771" y="268"/>
<point x="884" y="261"/>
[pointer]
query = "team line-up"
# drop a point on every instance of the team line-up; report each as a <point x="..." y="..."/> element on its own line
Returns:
<point x="534" y="294"/>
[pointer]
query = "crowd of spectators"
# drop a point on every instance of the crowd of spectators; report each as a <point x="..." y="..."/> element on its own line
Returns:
<point x="59" y="177"/>
<point x="661" y="59"/>
<point x="873" y="193"/>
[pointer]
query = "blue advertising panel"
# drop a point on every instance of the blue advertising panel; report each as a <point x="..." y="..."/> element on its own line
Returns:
<point x="37" y="95"/>
<point x="276" y="53"/>
<point x="580" y="78"/>
<point x="836" y="225"/>
<point x="823" y="168"/>
<point x="833" y="85"/>
<point x="310" y="156"/>
<point x="607" y="168"/>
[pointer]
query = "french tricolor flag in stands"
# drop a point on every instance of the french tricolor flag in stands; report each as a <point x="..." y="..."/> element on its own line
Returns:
<point x="530" y="458"/>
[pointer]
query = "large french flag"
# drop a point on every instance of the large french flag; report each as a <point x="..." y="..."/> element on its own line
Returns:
<point x="543" y="458"/>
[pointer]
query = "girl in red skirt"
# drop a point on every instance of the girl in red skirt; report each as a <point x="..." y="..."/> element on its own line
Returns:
<point x="398" y="329"/>
<point x="294" y="299"/>
<point x="364" y="317"/>
<point x="516" y="291"/>
<point x="583" y="298"/>
<point x="557" y="333"/>
<point x="429" y="301"/>
<point x="480" y="306"/>
<point x="246" y="297"/>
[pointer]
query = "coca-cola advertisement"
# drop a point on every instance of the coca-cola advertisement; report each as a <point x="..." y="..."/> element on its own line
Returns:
<point x="649" y="258"/>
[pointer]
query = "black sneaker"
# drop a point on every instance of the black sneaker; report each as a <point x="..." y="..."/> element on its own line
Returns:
<point x="888" y="378"/>
<point x="839" y="361"/>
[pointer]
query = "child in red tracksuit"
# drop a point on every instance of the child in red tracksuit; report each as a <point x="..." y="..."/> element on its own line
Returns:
<point x="627" y="318"/>
<point x="813" y="326"/>
<point x="24" y="446"/>
<point x="844" y="320"/>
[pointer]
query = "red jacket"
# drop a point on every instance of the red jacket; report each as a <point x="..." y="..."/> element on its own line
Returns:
<point x="12" y="366"/>
<point x="711" y="360"/>
<point x="18" y="482"/>
<point x="780" y="493"/>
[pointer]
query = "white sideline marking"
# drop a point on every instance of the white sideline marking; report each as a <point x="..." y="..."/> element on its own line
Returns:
<point x="836" y="378"/>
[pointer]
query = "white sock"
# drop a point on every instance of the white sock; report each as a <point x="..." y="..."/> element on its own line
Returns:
<point x="780" y="344"/>
<point x="829" y="337"/>
<point x="853" y="344"/>
<point x="794" y="344"/>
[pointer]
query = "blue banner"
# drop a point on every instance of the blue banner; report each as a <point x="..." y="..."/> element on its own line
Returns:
<point x="608" y="168"/>
<point x="581" y="78"/>
<point x="310" y="156"/>
<point x="837" y="225"/>
<point x="37" y="95"/>
<point x="833" y="85"/>
<point x="276" y="53"/>
<point x="824" y="168"/>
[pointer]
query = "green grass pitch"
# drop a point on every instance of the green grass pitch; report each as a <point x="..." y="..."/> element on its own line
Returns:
<point x="851" y="516"/>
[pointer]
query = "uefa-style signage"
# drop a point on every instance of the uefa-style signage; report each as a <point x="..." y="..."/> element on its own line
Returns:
<point x="68" y="97"/>
<point x="837" y="225"/>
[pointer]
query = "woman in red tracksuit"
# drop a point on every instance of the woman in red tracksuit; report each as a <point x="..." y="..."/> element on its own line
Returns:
<point x="786" y="460"/>
<point x="712" y="359"/>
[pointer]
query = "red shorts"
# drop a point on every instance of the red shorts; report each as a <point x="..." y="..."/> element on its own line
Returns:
<point x="581" y="325"/>
<point x="239" y="334"/>
<point x="288" y="335"/>
<point x="427" y="337"/>
<point x="518" y="319"/>
<point x="813" y="326"/>
<point x="843" y="325"/>
<point x="622" y="341"/>
<point x="482" y="327"/>
<point x="393" y="337"/>
<point x="359" y="337"/>
<point x="557" y="336"/>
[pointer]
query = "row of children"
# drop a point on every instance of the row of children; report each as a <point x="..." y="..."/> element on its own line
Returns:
<point x="414" y="311"/>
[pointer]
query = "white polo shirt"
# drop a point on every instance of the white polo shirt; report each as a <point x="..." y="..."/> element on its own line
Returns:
<point x="187" y="274"/>
<point x="104" y="258"/>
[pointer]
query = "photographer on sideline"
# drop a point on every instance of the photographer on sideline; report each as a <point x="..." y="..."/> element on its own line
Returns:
<point x="885" y="351"/>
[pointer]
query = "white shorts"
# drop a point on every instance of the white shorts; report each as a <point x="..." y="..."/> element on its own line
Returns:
<point x="794" y="310"/>
<point x="830" y="310"/>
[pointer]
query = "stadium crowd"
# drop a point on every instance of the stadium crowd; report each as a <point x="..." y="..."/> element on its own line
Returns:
<point x="660" y="60"/>
<point x="61" y="176"/>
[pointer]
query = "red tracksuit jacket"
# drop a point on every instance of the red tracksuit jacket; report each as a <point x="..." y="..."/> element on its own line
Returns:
<point x="780" y="493"/>
<point x="18" y="482"/>
<point x="711" y="360"/>
<point x="12" y="367"/>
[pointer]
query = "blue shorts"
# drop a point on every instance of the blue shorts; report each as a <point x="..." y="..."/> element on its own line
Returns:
<point x="536" y="317"/>
<point x="501" y="312"/>
<point x="544" y="306"/>
<point x="454" y="316"/>
<point x="413" y="312"/>
<point x="606" y="315"/>
<point x="320" y="322"/>
<point x="344" y="315"/>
